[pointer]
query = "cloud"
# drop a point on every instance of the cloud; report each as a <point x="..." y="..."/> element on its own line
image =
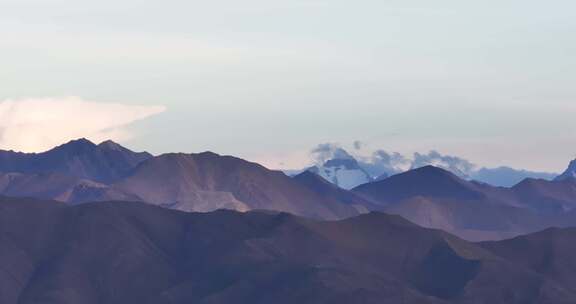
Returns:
<point x="38" y="124"/>
<point x="324" y="152"/>
<point x="456" y="165"/>
<point x="383" y="163"/>
<point x="389" y="162"/>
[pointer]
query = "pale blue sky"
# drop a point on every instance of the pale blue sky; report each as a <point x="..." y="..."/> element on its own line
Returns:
<point x="492" y="81"/>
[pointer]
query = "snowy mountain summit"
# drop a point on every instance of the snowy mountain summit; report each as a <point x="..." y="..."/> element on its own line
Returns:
<point x="569" y="174"/>
<point x="346" y="173"/>
<point x="347" y="170"/>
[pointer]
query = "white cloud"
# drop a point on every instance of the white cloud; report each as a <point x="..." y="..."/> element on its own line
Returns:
<point x="38" y="124"/>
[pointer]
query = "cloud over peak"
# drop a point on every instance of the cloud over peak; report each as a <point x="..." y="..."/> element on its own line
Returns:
<point x="323" y="152"/>
<point x="381" y="162"/>
<point x="38" y="124"/>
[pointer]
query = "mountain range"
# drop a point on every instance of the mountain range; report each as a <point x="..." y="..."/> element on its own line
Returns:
<point x="87" y="223"/>
<point x="120" y="252"/>
<point x="81" y="171"/>
<point x="435" y="198"/>
<point x="347" y="171"/>
<point x="103" y="163"/>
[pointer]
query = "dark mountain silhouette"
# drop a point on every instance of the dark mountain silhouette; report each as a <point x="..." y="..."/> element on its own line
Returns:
<point x="114" y="252"/>
<point x="103" y="163"/>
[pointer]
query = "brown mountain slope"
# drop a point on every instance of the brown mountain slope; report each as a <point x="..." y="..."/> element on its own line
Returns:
<point x="471" y="220"/>
<point x="549" y="252"/>
<point x="112" y="253"/>
<point x="547" y="196"/>
<point x="330" y="191"/>
<point x="60" y="187"/>
<point x="435" y="198"/>
<point x="208" y="181"/>
<point x="427" y="181"/>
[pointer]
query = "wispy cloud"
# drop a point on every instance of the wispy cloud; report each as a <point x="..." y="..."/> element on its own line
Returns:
<point x="327" y="151"/>
<point x="380" y="162"/>
<point x="37" y="124"/>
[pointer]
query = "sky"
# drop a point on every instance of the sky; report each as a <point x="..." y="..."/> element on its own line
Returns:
<point x="491" y="81"/>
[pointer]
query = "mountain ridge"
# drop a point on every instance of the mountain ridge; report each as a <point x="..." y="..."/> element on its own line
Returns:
<point x="105" y="253"/>
<point x="569" y="173"/>
<point x="202" y="182"/>
<point x="79" y="158"/>
<point x="436" y="198"/>
<point x="179" y="178"/>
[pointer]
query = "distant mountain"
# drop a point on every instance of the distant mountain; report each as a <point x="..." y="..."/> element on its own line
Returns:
<point x="435" y="198"/>
<point x="208" y="181"/>
<point x="425" y="181"/>
<point x="103" y="163"/>
<point x="546" y="196"/>
<point x="569" y="174"/>
<point x="361" y="169"/>
<point x="135" y="253"/>
<point x="506" y="176"/>
<point x="346" y="173"/>
<point x="330" y="191"/>
<point x="80" y="172"/>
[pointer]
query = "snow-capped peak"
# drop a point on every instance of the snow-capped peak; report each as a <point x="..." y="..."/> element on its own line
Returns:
<point x="569" y="174"/>
<point x="346" y="173"/>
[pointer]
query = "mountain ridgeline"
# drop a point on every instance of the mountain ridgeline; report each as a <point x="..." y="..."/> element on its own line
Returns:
<point x="435" y="198"/>
<point x="338" y="166"/>
<point x="86" y="224"/>
<point x="121" y="252"/>
<point x="103" y="163"/>
<point x="81" y="171"/>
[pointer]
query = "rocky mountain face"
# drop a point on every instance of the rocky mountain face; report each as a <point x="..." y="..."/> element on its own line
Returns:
<point x="112" y="253"/>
